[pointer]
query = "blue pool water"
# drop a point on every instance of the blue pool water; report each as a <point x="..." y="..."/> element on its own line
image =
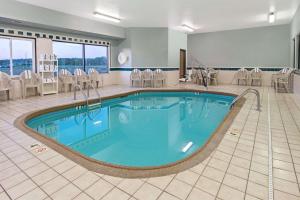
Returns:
<point x="139" y="130"/>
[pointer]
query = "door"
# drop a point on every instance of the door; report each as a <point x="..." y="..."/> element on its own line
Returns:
<point x="182" y="68"/>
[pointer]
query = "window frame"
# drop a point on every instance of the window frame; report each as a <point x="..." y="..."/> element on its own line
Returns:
<point x="83" y="53"/>
<point x="297" y="51"/>
<point x="10" y="38"/>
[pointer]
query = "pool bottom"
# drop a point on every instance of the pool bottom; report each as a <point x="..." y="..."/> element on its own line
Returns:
<point x="132" y="172"/>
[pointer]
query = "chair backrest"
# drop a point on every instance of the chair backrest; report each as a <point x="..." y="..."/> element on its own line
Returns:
<point x="284" y="70"/>
<point x="147" y="74"/>
<point x="92" y="71"/>
<point x="242" y="73"/>
<point x="135" y="74"/>
<point x="256" y="70"/>
<point x="256" y="73"/>
<point x="159" y="74"/>
<point x="79" y="72"/>
<point x="64" y="72"/>
<point x="4" y="81"/>
<point x="28" y="77"/>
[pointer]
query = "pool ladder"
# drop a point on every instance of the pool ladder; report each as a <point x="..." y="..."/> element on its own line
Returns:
<point x="249" y="90"/>
<point x="86" y="95"/>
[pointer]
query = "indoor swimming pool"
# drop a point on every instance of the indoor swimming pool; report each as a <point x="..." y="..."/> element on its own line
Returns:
<point x="146" y="129"/>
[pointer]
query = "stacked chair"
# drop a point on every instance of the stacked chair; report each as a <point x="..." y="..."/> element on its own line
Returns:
<point x="256" y="76"/>
<point x="5" y="83"/>
<point x="29" y="80"/>
<point x="81" y="78"/>
<point x="213" y="76"/>
<point x="148" y="78"/>
<point x="66" y="79"/>
<point x="242" y="76"/>
<point x="282" y="80"/>
<point x="135" y="77"/>
<point x="95" y="77"/>
<point x="159" y="78"/>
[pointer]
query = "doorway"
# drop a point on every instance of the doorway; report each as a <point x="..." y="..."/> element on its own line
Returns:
<point x="182" y="67"/>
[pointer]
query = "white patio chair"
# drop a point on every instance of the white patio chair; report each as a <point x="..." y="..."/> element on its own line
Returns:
<point x="95" y="77"/>
<point x="242" y="75"/>
<point x="213" y="77"/>
<point x="194" y="76"/>
<point x="81" y="78"/>
<point x="29" y="80"/>
<point x="135" y="77"/>
<point x="279" y="74"/>
<point x="5" y="83"/>
<point x="66" y="79"/>
<point x="282" y="80"/>
<point x="147" y="77"/>
<point x="256" y="76"/>
<point x="159" y="78"/>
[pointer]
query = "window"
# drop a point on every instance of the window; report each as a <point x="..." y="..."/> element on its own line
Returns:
<point x="73" y="55"/>
<point x="96" y="57"/>
<point x="16" y="55"/>
<point x="70" y="55"/>
<point x="5" y="55"/>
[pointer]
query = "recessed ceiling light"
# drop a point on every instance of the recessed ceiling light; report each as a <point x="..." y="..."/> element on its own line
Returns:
<point x="271" y="17"/>
<point x="187" y="28"/>
<point x="107" y="17"/>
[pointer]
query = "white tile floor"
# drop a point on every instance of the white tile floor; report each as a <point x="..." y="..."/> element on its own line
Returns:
<point x="237" y="169"/>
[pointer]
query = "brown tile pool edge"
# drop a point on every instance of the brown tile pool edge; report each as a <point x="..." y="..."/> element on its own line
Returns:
<point x="132" y="172"/>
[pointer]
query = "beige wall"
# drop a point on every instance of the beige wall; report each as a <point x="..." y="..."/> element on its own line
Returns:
<point x="43" y="46"/>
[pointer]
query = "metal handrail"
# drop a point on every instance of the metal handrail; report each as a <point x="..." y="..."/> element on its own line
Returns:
<point x="205" y="79"/>
<point x="86" y="96"/>
<point x="249" y="90"/>
<point x="97" y="92"/>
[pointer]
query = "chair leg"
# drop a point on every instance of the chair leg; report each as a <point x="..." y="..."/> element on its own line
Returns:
<point x="7" y="93"/>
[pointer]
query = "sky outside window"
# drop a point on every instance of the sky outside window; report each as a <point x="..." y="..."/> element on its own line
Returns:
<point x="70" y="55"/>
<point x="22" y="55"/>
<point x="4" y="55"/>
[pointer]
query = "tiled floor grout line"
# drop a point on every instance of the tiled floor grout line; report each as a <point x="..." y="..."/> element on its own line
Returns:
<point x="280" y="111"/>
<point x="285" y="101"/>
<point x="27" y="177"/>
<point x="235" y="148"/>
<point x="164" y="190"/>
<point x="270" y="152"/>
<point x="42" y="172"/>
<point x="252" y="153"/>
<point x="200" y="177"/>
<point x="5" y="192"/>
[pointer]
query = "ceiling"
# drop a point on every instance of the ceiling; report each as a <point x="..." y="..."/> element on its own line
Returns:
<point x="204" y="15"/>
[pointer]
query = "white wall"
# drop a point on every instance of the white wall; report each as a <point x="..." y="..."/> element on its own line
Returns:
<point x="176" y="41"/>
<point x="253" y="47"/>
<point x="147" y="47"/>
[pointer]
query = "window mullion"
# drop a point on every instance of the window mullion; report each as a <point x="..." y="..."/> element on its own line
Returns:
<point x="11" y="57"/>
<point x="83" y="56"/>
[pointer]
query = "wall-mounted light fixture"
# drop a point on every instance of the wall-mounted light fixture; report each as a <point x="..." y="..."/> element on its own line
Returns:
<point x="271" y="17"/>
<point x="187" y="28"/>
<point x="107" y="17"/>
